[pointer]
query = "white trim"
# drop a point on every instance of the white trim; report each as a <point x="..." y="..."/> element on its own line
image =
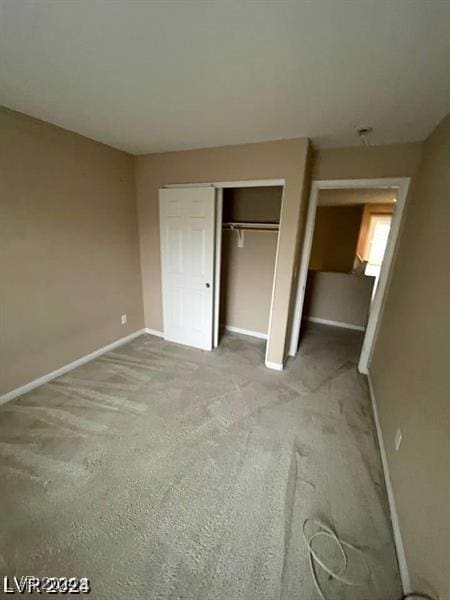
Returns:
<point x="335" y="323"/>
<point x="186" y="185"/>
<point x="377" y="306"/>
<point x="231" y="184"/>
<point x="250" y="183"/>
<point x="154" y="332"/>
<point x="68" y="367"/>
<point x="401" y="556"/>
<point x="274" y="365"/>
<point x="274" y="280"/>
<point x="402" y="183"/>
<point x="303" y="273"/>
<point x="217" y="265"/>
<point x="256" y="334"/>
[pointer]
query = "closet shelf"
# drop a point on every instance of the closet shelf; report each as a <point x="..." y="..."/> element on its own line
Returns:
<point x="247" y="225"/>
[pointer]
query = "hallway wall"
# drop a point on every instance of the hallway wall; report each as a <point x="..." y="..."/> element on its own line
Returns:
<point x="341" y="297"/>
<point x="336" y="231"/>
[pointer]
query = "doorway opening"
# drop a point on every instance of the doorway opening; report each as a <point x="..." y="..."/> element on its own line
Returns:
<point x="250" y="226"/>
<point x="350" y="238"/>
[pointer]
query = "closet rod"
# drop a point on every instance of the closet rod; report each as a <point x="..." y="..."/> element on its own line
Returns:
<point x="252" y="226"/>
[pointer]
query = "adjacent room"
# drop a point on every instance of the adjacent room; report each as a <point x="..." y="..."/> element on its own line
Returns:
<point x="349" y="243"/>
<point x="351" y="231"/>
<point x="224" y="307"/>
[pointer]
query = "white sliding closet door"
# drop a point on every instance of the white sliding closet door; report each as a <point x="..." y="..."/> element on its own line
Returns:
<point x="187" y="227"/>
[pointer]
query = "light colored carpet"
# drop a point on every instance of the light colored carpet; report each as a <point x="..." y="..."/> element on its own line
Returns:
<point x="163" y="472"/>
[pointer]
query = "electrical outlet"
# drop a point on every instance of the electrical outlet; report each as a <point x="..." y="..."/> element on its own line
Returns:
<point x="124" y="319"/>
<point x="398" y="439"/>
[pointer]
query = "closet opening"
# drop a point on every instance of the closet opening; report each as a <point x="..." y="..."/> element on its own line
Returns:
<point x="219" y="249"/>
<point x="248" y="221"/>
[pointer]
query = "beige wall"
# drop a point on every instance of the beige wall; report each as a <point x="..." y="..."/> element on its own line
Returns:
<point x="247" y="279"/>
<point x="260" y="204"/>
<point x="338" y="297"/>
<point x="336" y="232"/>
<point x="69" y="255"/>
<point x="410" y="370"/>
<point x="371" y="162"/>
<point x="269" y="160"/>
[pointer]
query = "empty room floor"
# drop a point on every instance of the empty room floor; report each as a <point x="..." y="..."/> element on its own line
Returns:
<point x="160" y="471"/>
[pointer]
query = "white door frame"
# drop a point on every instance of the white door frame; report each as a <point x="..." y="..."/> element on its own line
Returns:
<point x="221" y="185"/>
<point x="217" y="266"/>
<point x="402" y="184"/>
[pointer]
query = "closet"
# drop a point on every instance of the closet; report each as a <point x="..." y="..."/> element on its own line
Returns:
<point x="250" y="225"/>
<point x="218" y="252"/>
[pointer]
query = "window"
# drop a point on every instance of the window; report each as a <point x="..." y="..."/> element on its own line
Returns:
<point x="379" y="228"/>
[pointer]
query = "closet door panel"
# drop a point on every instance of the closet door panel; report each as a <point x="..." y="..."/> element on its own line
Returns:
<point x="187" y="224"/>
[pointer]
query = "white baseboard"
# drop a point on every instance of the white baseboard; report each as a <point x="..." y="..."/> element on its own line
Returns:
<point x="274" y="365"/>
<point x="154" y="332"/>
<point x="64" y="369"/>
<point x="335" y="323"/>
<point x="256" y="334"/>
<point x="401" y="557"/>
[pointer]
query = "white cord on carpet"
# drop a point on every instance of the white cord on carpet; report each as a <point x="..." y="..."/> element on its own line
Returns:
<point x="314" y="559"/>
